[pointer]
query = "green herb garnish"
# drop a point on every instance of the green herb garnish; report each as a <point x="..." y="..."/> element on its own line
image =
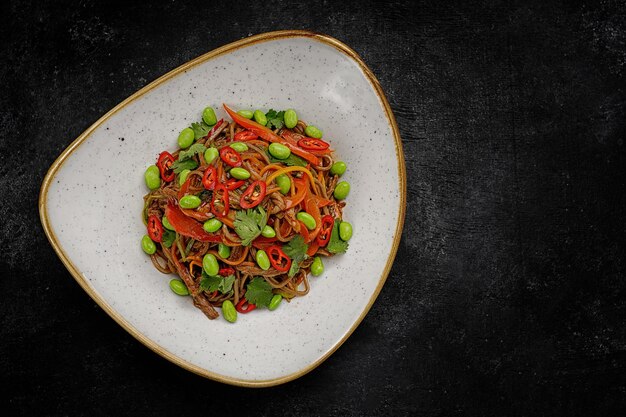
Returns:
<point x="226" y="285"/>
<point x="292" y="160"/>
<point x="259" y="292"/>
<point x="219" y="283"/>
<point x="335" y="244"/>
<point x="200" y="130"/>
<point x="275" y="120"/>
<point x="194" y="149"/>
<point x="179" y="166"/>
<point x="249" y="224"/>
<point x="168" y="238"/>
<point x="296" y="250"/>
<point x="210" y="283"/>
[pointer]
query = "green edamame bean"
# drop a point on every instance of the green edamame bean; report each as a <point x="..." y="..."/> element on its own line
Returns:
<point x="210" y="155"/>
<point x="210" y="265"/>
<point x="260" y="117"/>
<point x="338" y="168"/>
<point x="345" y="231"/>
<point x="228" y="309"/>
<point x="291" y="118"/>
<point x="275" y="302"/>
<point x="223" y="251"/>
<point x="262" y="260"/>
<point x="152" y="177"/>
<point x="167" y="224"/>
<point x="212" y="225"/>
<point x="190" y="202"/>
<point x="284" y="183"/>
<point x="279" y="151"/>
<point x="182" y="177"/>
<point x="307" y="219"/>
<point x="317" y="267"/>
<point x="268" y="231"/>
<point x="186" y="137"/>
<point x="239" y="146"/>
<point x="313" y="132"/>
<point x="246" y="113"/>
<point x="148" y="245"/>
<point x="179" y="287"/>
<point x="240" y="173"/>
<point x="341" y="190"/>
<point x="208" y="115"/>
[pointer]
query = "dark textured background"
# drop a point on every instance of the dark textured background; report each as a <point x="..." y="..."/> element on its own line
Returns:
<point x="507" y="296"/>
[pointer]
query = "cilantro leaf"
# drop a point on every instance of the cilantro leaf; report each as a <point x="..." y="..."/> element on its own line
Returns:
<point x="335" y="244"/>
<point x="194" y="149"/>
<point x="168" y="238"/>
<point x="259" y="292"/>
<point x="200" y="130"/>
<point x="249" y="223"/>
<point x="296" y="250"/>
<point x="292" y="160"/>
<point x="209" y="283"/>
<point x="226" y="285"/>
<point x="179" y="166"/>
<point x="275" y="119"/>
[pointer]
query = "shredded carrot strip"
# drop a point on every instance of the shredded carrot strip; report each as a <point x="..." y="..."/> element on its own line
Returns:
<point x="238" y="261"/>
<point x="268" y="167"/>
<point x="289" y="169"/>
<point x="220" y="172"/>
<point x="191" y="264"/>
<point x="313" y="247"/>
<point x="257" y="142"/>
<point x="227" y="221"/>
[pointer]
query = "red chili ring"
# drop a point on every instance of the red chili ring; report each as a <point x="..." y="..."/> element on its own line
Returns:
<point x="244" y="307"/>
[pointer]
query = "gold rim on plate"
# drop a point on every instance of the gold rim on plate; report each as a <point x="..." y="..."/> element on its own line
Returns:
<point x="209" y="55"/>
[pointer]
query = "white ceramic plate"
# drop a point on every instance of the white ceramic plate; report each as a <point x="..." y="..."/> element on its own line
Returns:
<point x="91" y="202"/>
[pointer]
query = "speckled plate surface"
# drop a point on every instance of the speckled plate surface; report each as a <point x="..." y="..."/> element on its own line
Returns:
<point x="91" y="202"/>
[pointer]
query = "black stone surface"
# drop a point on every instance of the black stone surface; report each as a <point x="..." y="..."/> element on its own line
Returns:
<point x="508" y="294"/>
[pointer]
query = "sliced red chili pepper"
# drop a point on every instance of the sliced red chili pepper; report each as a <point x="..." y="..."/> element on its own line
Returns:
<point x="164" y="163"/>
<point x="214" y="128"/>
<point x="279" y="259"/>
<point x="268" y="135"/>
<point x="244" y="307"/>
<point x="253" y="195"/>
<point x="230" y="156"/>
<point x="312" y="144"/>
<point x="209" y="179"/>
<point x="226" y="272"/>
<point x="263" y="242"/>
<point x="233" y="183"/>
<point x="245" y="135"/>
<point x="220" y="199"/>
<point x="326" y="230"/>
<point x="155" y="228"/>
